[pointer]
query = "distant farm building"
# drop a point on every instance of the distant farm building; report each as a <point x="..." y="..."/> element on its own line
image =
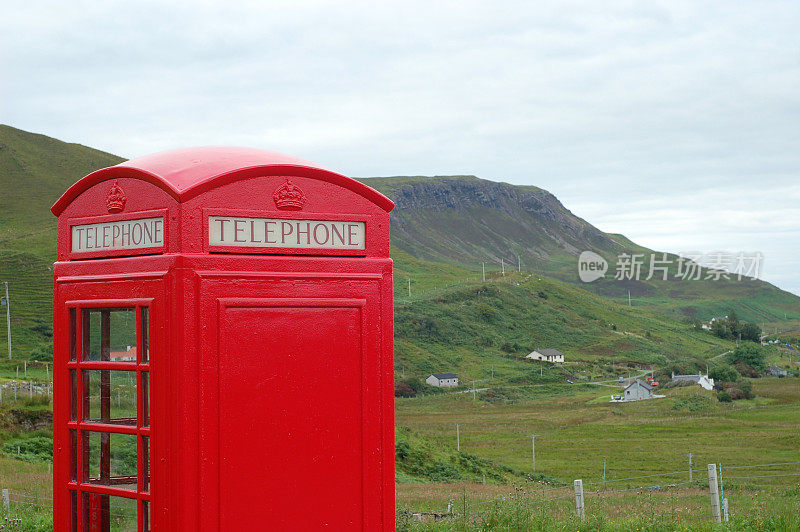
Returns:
<point x="776" y="371"/>
<point x="547" y="355"/>
<point x="637" y="390"/>
<point x="129" y="355"/>
<point x="702" y="380"/>
<point x="443" y="380"/>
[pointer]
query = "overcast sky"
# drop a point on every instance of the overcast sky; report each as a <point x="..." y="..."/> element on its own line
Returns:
<point x="674" y="123"/>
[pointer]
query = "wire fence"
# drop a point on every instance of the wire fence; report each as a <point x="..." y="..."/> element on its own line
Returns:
<point x="12" y="499"/>
<point x="724" y="486"/>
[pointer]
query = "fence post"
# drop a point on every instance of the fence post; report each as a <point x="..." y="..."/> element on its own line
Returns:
<point x="579" y="499"/>
<point x="712" y="486"/>
<point x="725" y="509"/>
<point x="6" y="500"/>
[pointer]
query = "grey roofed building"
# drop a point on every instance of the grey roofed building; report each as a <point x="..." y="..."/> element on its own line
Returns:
<point x="776" y="371"/>
<point x="702" y="380"/>
<point x="442" y="380"/>
<point x="547" y="355"/>
<point x="637" y="390"/>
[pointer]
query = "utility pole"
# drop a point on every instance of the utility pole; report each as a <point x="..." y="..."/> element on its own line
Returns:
<point x="533" y="450"/>
<point x="458" y="436"/>
<point x="483" y="265"/>
<point x="8" y="319"/>
<point x="629" y="298"/>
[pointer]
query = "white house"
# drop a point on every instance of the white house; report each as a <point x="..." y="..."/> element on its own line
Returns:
<point x="129" y="355"/>
<point x="702" y="380"/>
<point x="547" y="355"/>
<point x="443" y="380"/>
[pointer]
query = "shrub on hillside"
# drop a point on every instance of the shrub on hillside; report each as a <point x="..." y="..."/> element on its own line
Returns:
<point x="742" y="389"/>
<point x="42" y="353"/>
<point x="401" y="389"/>
<point x="440" y="471"/>
<point x="693" y="403"/>
<point x="749" y="354"/>
<point x="35" y="449"/>
<point x="486" y="311"/>
<point x="724" y="372"/>
<point x="735" y="393"/>
<point x="724" y="397"/>
<point x="402" y="450"/>
<point x="745" y="370"/>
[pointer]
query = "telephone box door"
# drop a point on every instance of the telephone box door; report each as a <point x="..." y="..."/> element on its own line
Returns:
<point x="110" y="349"/>
<point x="296" y="367"/>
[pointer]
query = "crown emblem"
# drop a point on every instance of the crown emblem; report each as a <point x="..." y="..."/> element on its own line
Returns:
<point x="289" y="197"/>
<point x="115" y="201"/>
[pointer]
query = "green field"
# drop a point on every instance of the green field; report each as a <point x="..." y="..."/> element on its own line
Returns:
<point x="578" y="431"/>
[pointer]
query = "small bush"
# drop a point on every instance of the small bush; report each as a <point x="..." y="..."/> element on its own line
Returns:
<point x="724" y="397"/>
<point x="723" y="372"/>
<point x="693" y="403"/>
<point x="35" y="449"/>
<point x="402" y="450"/>
<point x="440" y="471"/>
<point x="746" y="370"/>
<point x="735" y="393"/>
<point x="401" y="389"/>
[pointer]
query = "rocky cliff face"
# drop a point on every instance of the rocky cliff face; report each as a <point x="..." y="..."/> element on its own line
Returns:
<point x="469" y="220"/>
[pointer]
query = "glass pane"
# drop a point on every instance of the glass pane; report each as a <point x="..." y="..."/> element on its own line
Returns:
<point x="145" y="335"/>
<point x="109" y="335"/>
<point x="110" y="459"/>
<point x="108" y="513"/>
<point x="73" y="333"/>
<point x="73" y="455"/>
<point x="111" y="396"/>
<point x="145" y="399"/>
<point x="73" y="511"/>
<point x="145" y="463"/>
<point x="145" y="516"/>
<point x="73" y="395"/>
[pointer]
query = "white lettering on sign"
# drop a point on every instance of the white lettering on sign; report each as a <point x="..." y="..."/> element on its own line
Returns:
<point x="124" y="234"/>
<point x="281" y="233"/>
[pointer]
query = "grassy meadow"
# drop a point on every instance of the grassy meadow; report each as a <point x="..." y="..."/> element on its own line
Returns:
<point x="639" y="441"/>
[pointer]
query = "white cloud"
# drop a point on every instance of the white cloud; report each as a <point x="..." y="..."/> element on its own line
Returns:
<point x="621" y="109"/>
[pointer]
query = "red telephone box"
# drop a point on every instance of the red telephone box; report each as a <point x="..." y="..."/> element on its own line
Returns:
<point x="223" y="347"/>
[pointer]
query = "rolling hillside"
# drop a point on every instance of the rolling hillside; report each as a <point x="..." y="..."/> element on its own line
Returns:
<point x="34" y="171"/>
<point x="465" y="221"/>
<point x="442" y="229"/>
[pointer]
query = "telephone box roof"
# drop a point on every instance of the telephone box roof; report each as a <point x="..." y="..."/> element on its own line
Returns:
<point x="187" y="172"/>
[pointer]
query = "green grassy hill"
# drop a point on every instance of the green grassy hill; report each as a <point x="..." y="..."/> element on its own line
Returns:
<point x="477" y="329"/>
<point x="465" y="221"/>
<point x="34" y="171"/>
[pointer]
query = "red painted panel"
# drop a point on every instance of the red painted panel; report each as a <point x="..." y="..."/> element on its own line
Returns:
<point x="291" y="420"/>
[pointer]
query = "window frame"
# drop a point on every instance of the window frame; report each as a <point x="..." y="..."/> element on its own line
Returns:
<point x="81" y="426"/>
